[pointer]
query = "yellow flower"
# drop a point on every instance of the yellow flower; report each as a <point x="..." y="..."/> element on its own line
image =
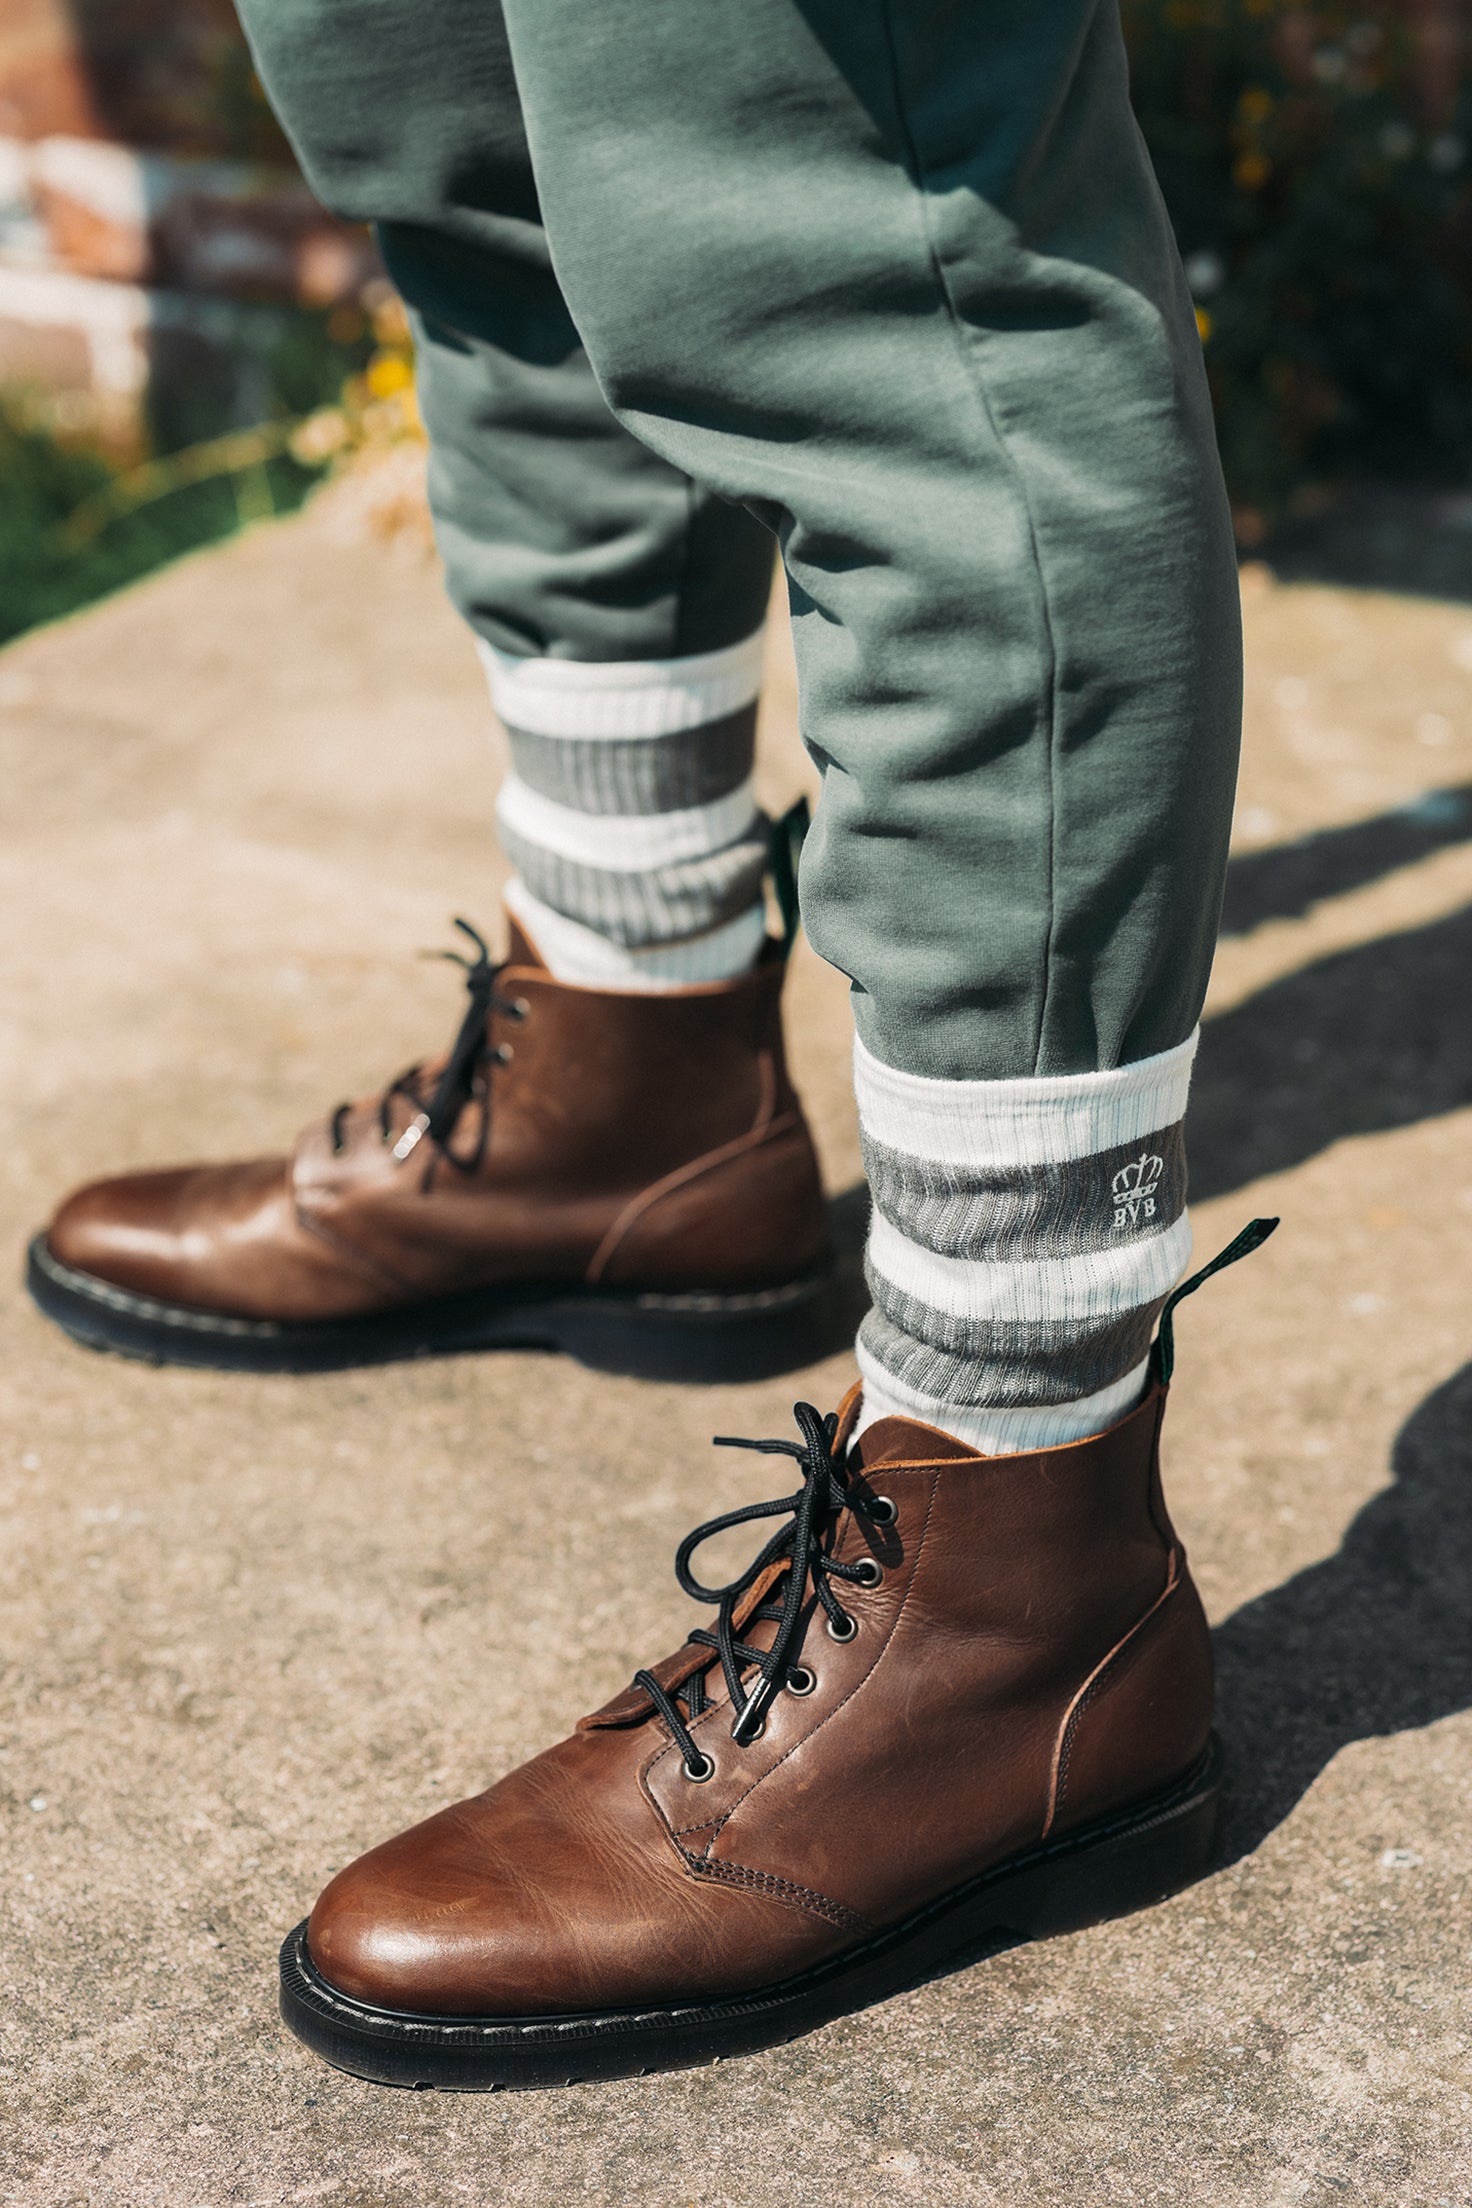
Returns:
<point x="1203" y="324"/>
<point x="387" y="373"/>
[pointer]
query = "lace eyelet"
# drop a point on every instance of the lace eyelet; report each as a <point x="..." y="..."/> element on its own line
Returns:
<point x="836" y="1634"/>
<point x="881" y="1510"/>
<point x="503" y="1054"/>
<point x="698" y="1773"/>
<point x="801" y="1680"/>
<point x="867" y="1573"/>
<point x="410" y="1139"/>
<point x="518" y="1008"/>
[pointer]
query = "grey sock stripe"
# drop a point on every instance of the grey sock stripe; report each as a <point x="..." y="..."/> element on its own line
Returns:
<point x="1002" y="1364"/>
<point x="1016" y="1213"/>
<point x="639" y="775"/>
<point x="637" y="909"/>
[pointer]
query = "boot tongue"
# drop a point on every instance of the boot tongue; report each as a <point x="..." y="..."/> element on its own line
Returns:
<point x="906" y="1441"/>
<point x="891" y="1440"/>
<point x="521" y="950"/>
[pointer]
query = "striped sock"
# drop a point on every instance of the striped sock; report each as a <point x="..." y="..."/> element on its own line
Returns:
<point x="1025" y="1235"/>
<point x="629" y="814"/>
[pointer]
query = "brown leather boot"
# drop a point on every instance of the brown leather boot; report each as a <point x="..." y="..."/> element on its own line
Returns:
<point x="625" y="1176"/>
<point x="955" y="1700"/>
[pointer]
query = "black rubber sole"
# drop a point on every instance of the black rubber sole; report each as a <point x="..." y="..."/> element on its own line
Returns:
<point x="695" y="1337"/>
<point x="1105" y="1869"/>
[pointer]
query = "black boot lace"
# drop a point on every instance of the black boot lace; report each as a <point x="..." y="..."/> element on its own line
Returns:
<point x="462" y="1077"/>
<point x="812" y="1510"/>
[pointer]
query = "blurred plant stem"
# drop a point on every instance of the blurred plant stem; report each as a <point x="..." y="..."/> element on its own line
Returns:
<point x="237" y="456"/>
<point x="75" y="522"/>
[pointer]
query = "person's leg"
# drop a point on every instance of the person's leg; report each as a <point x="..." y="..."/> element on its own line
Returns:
<point x="618" y="604"/>
<point x="630" y="815"/>
<point x="611" y="1159"/>
<point x="899" y="280"/>
<point x="904" y="285"/>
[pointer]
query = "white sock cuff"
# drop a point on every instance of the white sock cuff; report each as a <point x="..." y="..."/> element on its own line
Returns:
<point x="622" y="697"/>
<point x="1041" y="1120"/>
<point x="589" y="960"/>
<point x="998" y="1433"/>
<point x="625" y="843"/>
<point x="1081" y="1289"/>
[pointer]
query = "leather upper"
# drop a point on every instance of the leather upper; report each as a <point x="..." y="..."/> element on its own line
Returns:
<point x="651" y="1141"/>
<point x="1034" y="1655"/>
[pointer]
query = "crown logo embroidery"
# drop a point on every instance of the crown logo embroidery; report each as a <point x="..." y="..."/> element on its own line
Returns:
<point x="1134" y="1188"/>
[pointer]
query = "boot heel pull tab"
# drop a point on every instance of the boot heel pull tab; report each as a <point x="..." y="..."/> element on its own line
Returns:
<point x="785" y="849"/>
<point x="1163" y="1353"/>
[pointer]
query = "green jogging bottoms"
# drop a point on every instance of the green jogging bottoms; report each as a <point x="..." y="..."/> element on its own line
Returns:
<point x="891" y="280"/>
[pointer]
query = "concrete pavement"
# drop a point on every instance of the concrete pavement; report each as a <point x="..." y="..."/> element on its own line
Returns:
<point x="250" y="1626"/>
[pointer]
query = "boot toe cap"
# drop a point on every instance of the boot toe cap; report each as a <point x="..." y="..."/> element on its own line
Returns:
<point x="548" y="1898"/>
<point x="410" y="1927"/>
<point x="163" y="1234"/>
<point x="120" y="1229"/>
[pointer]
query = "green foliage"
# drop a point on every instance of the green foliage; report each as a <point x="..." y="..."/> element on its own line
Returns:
<point x="48" y="478"/>
<point x="44" y="481"/>
<point x="1319" y="189"/>
<point x="238" y="109"/>
<point x="315" y="355"/>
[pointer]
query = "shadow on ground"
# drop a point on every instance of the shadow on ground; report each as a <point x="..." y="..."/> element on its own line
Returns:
<point x="1285" y="882"/>
<point x="1378" y="1638"/>
<point x="1380" y="536"/>
<point x="1370" y="1038"/>
<point x="1375" y="1640"/>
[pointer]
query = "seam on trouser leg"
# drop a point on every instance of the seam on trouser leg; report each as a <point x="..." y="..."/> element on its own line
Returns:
<point x="975" y="376"/>
<point x="687" y="535"/>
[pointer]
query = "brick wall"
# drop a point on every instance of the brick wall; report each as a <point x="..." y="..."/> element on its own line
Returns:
<point x="153" y="73"/>
<point x="151" y="223"/>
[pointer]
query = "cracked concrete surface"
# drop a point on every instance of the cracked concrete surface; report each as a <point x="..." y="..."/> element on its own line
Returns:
<point x="252" y="1625"/>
